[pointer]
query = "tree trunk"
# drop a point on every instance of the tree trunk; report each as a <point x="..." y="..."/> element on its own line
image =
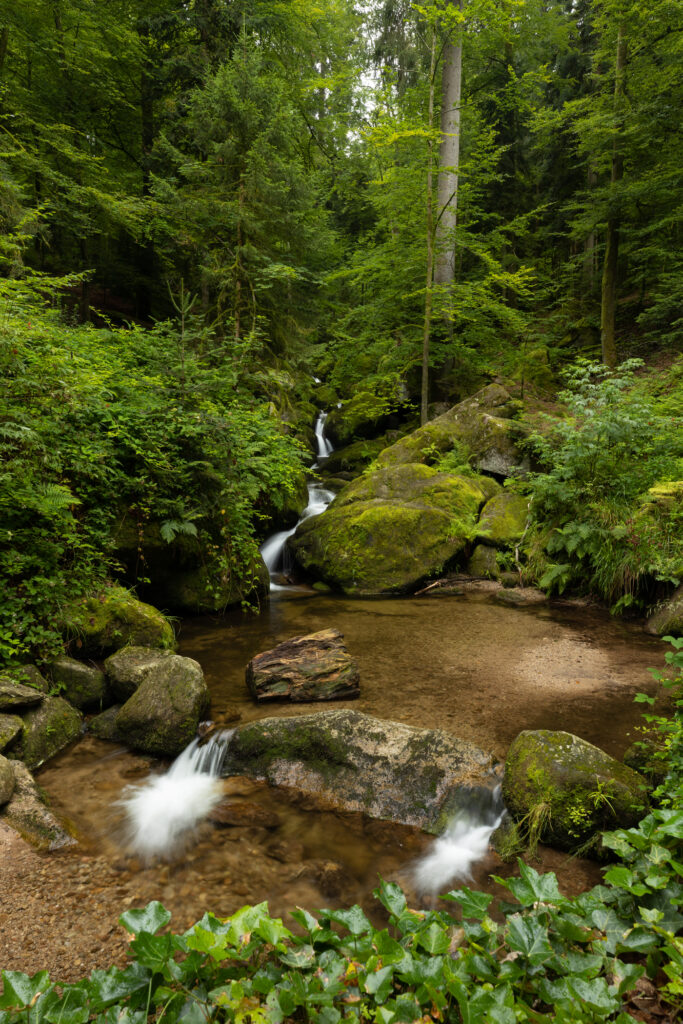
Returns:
<point x="610" y="266"/>
<point x="424" y="398"/>
<point x="449" y="158"/>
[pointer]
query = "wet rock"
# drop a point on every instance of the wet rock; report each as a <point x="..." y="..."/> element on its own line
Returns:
<point x="356" y="762"/>
<point x="503" y="519"/>
<point x="7" y="780"/>
<point x="510" y="580"/>
<point x="331" y="878"/>
<point x="481" y="424"/>
<point x="28" y="675"/>
<point x="569" y="788"/>
<point x="104" y="726"/>
<point x="98" y="626"/>
<point x="483" y="563"/>
<point x="16" y="695"/>
<point x="522" y="597"/>
<point x="242" y="813"/>
<point x="28" y="814"/>
<point x="305" y="668"/>
<point x="162" y="716"/>
<point x="46" y="729"/>
<point x="80" y="684"/>
<point x="390" y="531"/>
<point x="667" y="620"/>
<point x="10" y="727"/>
<point x="286" y="851"/>
<point x="128" y="668"/>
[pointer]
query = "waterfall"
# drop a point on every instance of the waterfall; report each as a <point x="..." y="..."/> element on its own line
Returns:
<point x="464" y="842"/>
<point x="324" y="447"/>
<point x="274" y="549"/>
<point x="161" y="813"/>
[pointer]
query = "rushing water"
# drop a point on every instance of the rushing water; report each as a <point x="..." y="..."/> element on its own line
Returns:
<point x="274" y="550"/>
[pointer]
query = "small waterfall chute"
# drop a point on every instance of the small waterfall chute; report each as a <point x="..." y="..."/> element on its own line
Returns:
<point x="161" y="813"/>
<point x="274" y="550"/>
<point x="324" y="448"/>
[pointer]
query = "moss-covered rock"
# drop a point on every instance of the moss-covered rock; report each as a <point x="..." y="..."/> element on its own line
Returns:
<point x="390" y="531"/>
<point x="356" y="762"/>
<point x="481" y="424"/>
<point x="571" y="788"/>
<point x="520" y="597"/>
<point x="28" y="675"/>
<point x="7" y="780"/>
<point x="104" y="726"/>
<point x="128" y="668"/>
<point x="162" y="716"/>
<point x="362" y="416"/>
<point x="80" y="684"/>
<point x="47" y="729"/>
<point x="28" y="814"/>
<point x="503" y="519"/>
<point x="10" y="727"/>
<point x="667" y="619"/>
<point x="483" y="563"/>
<point x="97" y="626"/>
<point x="354" y="457"/>
<point x="16" y="695"/>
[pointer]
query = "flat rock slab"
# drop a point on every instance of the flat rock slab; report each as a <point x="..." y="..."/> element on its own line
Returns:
<point x="16" y="695"/>
<point x="305" y="668"/>
<point x="28" y="815"/>
<point x="355" y="762"/>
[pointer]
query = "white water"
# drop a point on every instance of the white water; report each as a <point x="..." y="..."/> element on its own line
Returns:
<point x="459" y="848"/>
<point x="324" y="446"/>
<point x="161" y="813"/>
<point x="273" y="550"/>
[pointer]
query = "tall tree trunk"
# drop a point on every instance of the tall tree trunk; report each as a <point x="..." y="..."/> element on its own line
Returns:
<point x="610" y="266"/>
<point x="449" y="159"/>
<point x="424" y="399"/>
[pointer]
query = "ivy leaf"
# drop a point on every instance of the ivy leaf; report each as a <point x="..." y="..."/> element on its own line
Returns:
<point x="150" y="919"/>
<point x="20" y="990"/>
<point x="473" y="904"/>
<point x="530" y="937"/>
<point x="392" y="897"/>
<point x="353" y="919"/>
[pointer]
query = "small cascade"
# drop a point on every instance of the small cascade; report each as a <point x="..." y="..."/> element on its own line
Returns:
<point x="325" y="449"/>
<point x="161" y="813"/>
<point x="274" y="550"/>
<point x="464" y="843"/>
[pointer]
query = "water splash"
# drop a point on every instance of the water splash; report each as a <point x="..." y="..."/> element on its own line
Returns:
<point x="161" y="813"/>
<point x="463" y="844"/>
<point x="324" y="446"/>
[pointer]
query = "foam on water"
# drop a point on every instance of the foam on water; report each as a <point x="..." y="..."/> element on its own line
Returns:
<point x="161" y="813"/>
<point x="464" y="843"/>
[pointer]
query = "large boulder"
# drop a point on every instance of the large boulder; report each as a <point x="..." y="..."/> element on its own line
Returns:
<point x="99" y="625"/>
<point x="481" y="425"/>
<point x="362" y="416"/>
<point x="82" y="685"/>
<point x="305" y="668"/>
<point x="128" y="668"/>
<point x="47" y="729"/>
<point x="483" y="564"/>
<point x="667" y="619"/>
<point x="7" y="780"/>
<point x="10" y="727"/>
<point x="162" y="716"/>
<point x="28" y="814"/>
<point x="391" y="530"/>
<point x="16" y="695"/>
<point x="503" y="519"/>
<point x="355" y="762"/>
<point x="570" y="789"/>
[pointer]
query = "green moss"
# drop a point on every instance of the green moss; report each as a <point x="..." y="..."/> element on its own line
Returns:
<point x="503" y="519"/>
<point x="97" y="626"/>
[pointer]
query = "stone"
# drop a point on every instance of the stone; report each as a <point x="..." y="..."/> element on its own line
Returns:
<point x="362" y="416"/>
<point x="667" y="620"/>
<point x="521" y="597"/>
<point x="353" y="458"/>
<point x="481" y="424"/>
<point x="28" y="814"/>
<point x="503" y="519"/>
<point x="351" y="761"/>
<point x="98" y="626"/>
<point x="483" y="563"/>
<point x="305" y="668"/>
<point x="10" y="727"/>
<point x="162" y="716"/>
<point x="47" y="729"/>
<point x="390" y="531"/>
<point x="7" y="780"/>
<point x="241" y="813"/>
<point x="28" y="675"/>
<point x="128" y="668"/>
<point x="332" y="878"/>
<point x="575" y="789"/>
<point x="80" y="684"/>
<point x="104" y="726"/>
<point x="16" y="695"/>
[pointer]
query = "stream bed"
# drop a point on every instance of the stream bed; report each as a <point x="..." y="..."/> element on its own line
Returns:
<point x="461" y="663"/>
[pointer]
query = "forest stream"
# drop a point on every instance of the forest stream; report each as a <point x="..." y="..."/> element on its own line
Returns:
<point x="460" y="663"/>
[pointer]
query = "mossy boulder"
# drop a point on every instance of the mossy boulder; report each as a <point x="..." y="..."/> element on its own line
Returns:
<point x="82" y="685"/>
<point x="47" y="729"/>
<point x="162" y="716"/>
<point x="390" y="531"/>
<point x="481" y="425"/>
<point x="10" y="727"/>
<point x="104" y="726"/>
<point x="7" y="780"/>
<point x="28" y="675"/>
<point x="97" y="626"/>
<point x="362" y="416"/>
<point x="16" y="695"/>
<point x="572" y="789"/>
<point x="503" y="519"/>
<point x="355" y="762"/>
<point x="667" y="619"/>
<point x="128" y="668"/>
<point x="28" y="814"/>
<point x="483" y="563"/>
<point x="354" y="457"/>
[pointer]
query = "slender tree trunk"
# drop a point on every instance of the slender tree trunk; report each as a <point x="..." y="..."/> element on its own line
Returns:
<point x="424" y="400"/>
<point x="610" y="266"/>
<point x="449" y="159"/>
